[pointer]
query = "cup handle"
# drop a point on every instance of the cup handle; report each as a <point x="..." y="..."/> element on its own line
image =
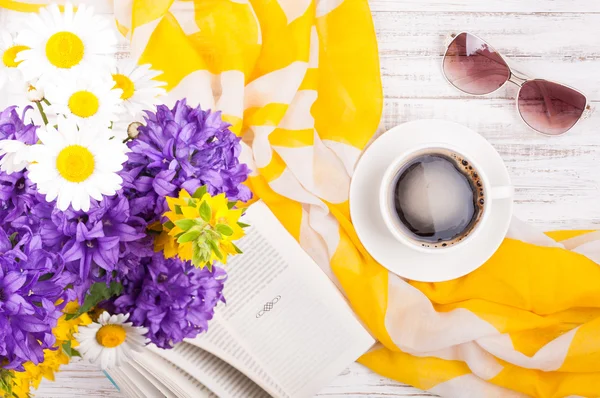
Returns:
<point x="503" y="192"/>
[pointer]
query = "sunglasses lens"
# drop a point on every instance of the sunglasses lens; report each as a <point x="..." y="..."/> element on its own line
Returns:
<point x="550" y="108"/>
<point x="474" y="67"/>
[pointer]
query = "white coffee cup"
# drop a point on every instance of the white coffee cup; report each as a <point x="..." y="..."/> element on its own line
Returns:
<point x="391" y="218"/>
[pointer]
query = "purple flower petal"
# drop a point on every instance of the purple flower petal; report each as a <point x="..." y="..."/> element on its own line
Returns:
<point x="72" y="251"/>
<point x="13" y="282"/>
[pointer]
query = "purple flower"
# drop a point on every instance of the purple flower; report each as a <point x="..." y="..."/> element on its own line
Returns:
<point x="17" y="195"/>
<point x="30" y="285"/>
<point x="49" y="256"/>
<point x="183" y="147"/>
<point x="173" y="299"/>
<point x="16" y="191"/>
<point x="90" y="243"/>
<point x="13" y="127"/>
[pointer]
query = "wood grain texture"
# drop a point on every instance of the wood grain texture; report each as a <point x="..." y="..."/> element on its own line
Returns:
<point x="516" y="6"/>
<point x="556" y="179"/>
<point x="81" y="379"/>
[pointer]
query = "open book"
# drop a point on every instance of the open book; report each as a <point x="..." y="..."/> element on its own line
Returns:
<point x="286" y="330"/>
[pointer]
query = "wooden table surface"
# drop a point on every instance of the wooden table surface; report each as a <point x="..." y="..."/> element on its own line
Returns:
<point x="557" y="180"/>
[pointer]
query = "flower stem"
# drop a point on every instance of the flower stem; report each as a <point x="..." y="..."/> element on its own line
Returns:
<point x="41" y="109"/>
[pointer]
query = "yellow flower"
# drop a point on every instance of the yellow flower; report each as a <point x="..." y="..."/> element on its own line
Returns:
<point x="53" y="359"/>
<point x="200" y="228"/>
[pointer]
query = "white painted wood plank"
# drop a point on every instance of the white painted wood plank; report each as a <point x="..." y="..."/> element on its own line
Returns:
<point x="80" y="378"/>
<point x="554" y="35"/>
<point x="454" y="6"/>
<point x="358" y="381"/>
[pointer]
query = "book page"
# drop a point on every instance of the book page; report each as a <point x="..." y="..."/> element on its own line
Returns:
<point x="142" y="384"/>
<point x="225" y="346"/>
<point x="126" y="386"/>
<point x="175" y="379"/>
<point x="217" y="375"/>
<point x="284" y="319"/>
<point x="144" y="374"/>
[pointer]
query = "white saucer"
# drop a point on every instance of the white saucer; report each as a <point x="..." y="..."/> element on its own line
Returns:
<point x="378" y="240"/>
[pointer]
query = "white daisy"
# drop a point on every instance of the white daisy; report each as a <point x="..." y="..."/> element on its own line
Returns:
<point x="9" y="48"/>
<point x="110" y="341"/>
<point x="119" y="130"/>
<point x="140" y="89"/>
<point x="72" y="165"/>
<point x="14" y="155"/>
<point x="62" y="43"/>
<point x="33" y="93"/>
<point x="89" y="101"/>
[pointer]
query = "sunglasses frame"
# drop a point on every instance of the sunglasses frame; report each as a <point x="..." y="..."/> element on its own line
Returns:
<point x="518" y="78"/>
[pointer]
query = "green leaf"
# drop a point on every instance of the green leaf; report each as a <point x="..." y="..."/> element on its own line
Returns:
<point x="188" y="236"/>
<point x="6" y="382"/>
<point x="205" y="211"/>
<point x="98" y="292"/>
<point x="200" y="192"/>
<point x="224" y="229"/>
<point x="13" y="238"/>
<point x="196" y="259"/>
<point x="237" y="249"/>
<point x="70" y="351"/>
<point x="215" y="249"/>
<point x="199" y="256"/>
<point x="169" y="225"/>
<point x="231" y="205"/>
<point x="178" y="209"/>
<point x="45" y="277"/>
<point x="185" y="224"/>
<point x="243" y="225"/>
<point x="67" y="347"/>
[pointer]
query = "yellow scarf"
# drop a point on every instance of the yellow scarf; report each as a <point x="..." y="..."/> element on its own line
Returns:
<point x="299" y="80"/>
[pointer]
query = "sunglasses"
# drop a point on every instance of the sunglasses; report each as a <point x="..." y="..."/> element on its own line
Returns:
<point x="474" y="67"/>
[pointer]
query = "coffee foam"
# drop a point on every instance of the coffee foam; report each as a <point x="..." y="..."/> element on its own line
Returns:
<point x="434" y="197"/>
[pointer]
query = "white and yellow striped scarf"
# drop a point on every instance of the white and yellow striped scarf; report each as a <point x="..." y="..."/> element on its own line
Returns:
<point x="299" y="81"/>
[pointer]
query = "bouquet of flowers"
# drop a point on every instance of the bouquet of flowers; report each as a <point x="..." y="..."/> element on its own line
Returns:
<point x="115" y="210"/>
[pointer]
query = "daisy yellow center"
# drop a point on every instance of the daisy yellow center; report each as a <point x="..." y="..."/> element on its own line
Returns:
<point x="10" y="55"/>
<point x="84" y="104"/>
<point x="64" y="50"/>
<point x="111" y="336"/>
<point x="125" y="84"/>
<point x="75" y="163"/>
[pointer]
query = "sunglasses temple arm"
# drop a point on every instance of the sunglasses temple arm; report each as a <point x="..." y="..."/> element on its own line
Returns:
<point x="587" y="113"/>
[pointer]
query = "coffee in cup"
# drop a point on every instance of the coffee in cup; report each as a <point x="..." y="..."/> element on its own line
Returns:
<point x="438" y="198"/>
<point x="435" y="198"/>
